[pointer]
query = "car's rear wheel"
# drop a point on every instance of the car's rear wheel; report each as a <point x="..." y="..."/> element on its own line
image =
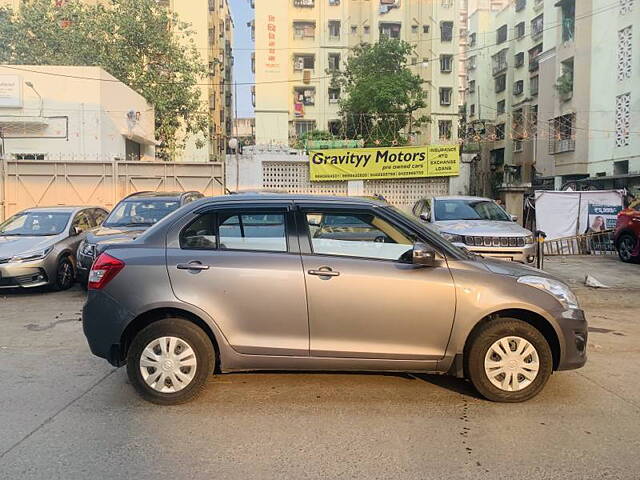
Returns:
<point x="508" y="361"/>
<point x="65" y="275"/>
<point x="626" y="245"/>
<point x="169" y="361"/>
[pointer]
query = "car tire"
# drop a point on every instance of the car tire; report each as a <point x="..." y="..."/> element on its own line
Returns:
<point x="626" y="244"/>
<point x="169" y="361"/>
<point x="512" y="376"/>
<point x="64" y="276"/>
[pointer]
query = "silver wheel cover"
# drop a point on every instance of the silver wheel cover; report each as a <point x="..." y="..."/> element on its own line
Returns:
<point x="168" y="364"/>
<point x="511" y="364"/>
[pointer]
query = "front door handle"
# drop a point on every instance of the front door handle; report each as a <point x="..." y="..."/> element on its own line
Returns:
<point x="192" y="266"/>
<point x="324" y="272"/>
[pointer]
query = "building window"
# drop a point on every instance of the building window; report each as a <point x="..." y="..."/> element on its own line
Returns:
<point x="304" y="126"/>
<point x="500" y="131"/>
<point x="534" y="59"/>
<point x="518" y="87"/>
<point x="623" y="119"/>
<point x="334" y="61"/>
<point x="537" y="26"/>
<point x="366" y="29"/>
<point x="304" y="3"/>
<point x="519" y="59"/>
<point x="304" y="30"/>
<point x="564" y="84"/>
<point x="501" y="107"/>
<point x="471" y="63"/>
<point x="501" y="34"/>
<point x="445" y="96"/>
<point x="391" y="30"/>
<point x="354" y="29"/>
<point x="533" y="85"/>
<point x="334" y="95"/>
<point x="624" y="53"/>
<point x="446" y="31"/>
<point x="499" y="61"/>
<point x="425" y="29"/>
<point x="444" y="129"/>
<point x="520" y="5"/>
<point x="304" y="62"/>
<point x="414" y="28"/>
<point x="334" y="29"/>
<point x="568" y="19"/>
<point x="333" y="3"/>
<point x="472" y="39"/>
<point x="501" y="83"/>
<point x="626" y="6"/>
<point x="29" y="156"/>
<point x="533" y="120"/>
<point x="446" y="63"/>
<point x="305" y="96"/>
<point x="472" y="86"/>
<point x="520" y="30"/>
<point x="472" y="110"/>
<point x="561" y="134"/>
<point x="621" y="167"/>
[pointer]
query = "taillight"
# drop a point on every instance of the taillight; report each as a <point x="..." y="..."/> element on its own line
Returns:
<point x="103" y="270"/>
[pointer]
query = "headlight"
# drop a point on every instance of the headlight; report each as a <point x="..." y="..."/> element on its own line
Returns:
<point x="30" y="256"/>
<point x="452" y="237"/>
<point x="559" y="290"/>
<point x="528" y="240"/>
<point x="87" y="249"/>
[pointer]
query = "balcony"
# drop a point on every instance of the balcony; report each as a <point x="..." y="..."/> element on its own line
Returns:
<point x="562" y="146"/>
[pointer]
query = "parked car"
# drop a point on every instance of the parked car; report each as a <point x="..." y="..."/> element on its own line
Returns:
<point x="248" y="282"/>
<point x="130" y="217"/>
<point x="480" y="225"/>
<point x="626" y="236"/>
<point x="38" y="245"/>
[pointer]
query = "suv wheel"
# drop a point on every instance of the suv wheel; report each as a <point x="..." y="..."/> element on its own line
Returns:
<point x="65" y="275"/>
<point x="508" y="361"/>
<point x="169" y="361"/>
<point x="626" y="246"/>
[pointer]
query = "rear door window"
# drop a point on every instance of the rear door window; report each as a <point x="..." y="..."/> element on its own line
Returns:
<point x="262" y="231"/>
<point x="200" y="234"/>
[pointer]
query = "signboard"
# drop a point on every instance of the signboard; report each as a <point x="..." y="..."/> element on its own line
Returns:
<point x="602" y="217"/>
<point x="10" y="91"/>
<point x="384" y="163"/>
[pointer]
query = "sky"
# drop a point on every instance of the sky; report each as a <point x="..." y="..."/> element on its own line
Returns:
<point x="242" y="45"/>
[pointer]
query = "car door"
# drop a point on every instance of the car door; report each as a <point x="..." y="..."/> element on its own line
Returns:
<point x="362" y="300"/>
<point x="242" y="266"/>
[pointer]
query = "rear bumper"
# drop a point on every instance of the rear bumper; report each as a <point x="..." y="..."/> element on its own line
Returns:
<point x="104" y="321"/>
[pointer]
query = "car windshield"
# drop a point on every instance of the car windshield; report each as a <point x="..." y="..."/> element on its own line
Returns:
<point x="35" y="224"/>
<point x="131" y="213"/>
<point x="469" y="210"/>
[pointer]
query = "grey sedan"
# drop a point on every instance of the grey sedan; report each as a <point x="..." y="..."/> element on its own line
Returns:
<point x="286" y="282"/>
<point x="38" y="245"/>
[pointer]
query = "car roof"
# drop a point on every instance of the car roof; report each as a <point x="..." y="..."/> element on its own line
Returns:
<point x="171" y="194"/>
<point x="62" y="208"/>
<point x="290" y="197"/>
<point x="462" y="197"/>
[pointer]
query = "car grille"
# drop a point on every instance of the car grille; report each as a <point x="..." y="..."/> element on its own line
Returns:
<point x="494" y="241"/>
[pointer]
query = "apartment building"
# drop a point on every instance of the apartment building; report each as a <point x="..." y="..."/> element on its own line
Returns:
<point x="213" y="27"/>
<point x="299" y="41"/>
<point x="502" y="96"/>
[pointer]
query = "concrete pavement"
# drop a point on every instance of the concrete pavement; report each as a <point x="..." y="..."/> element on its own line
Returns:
<point x="65" y="414"/>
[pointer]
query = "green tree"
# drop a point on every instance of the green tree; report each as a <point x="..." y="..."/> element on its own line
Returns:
<point x="137" y="41"/>
<point x="381" y="96"/>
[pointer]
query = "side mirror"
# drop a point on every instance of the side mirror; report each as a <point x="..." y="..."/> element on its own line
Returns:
<point x="424" y="254"/>
<point x="425" y="217"/>
<point x="514" y="218"/>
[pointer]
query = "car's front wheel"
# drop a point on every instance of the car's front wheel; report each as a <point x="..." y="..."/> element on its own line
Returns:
<point x="508" y="360"/>
<point x="169" y="361"/>
<point x="65" y="275"/>
<point x="626" y="246"/>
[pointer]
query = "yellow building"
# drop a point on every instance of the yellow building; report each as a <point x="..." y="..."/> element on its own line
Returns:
<point x="213" y="26"/>
<point x="298" y="41"/>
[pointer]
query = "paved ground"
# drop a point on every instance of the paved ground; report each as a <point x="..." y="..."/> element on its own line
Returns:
<point x="67" y="415"/>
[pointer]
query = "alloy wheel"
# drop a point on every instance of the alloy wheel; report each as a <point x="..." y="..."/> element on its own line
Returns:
<point x="511" y="364"/>
<point x="626" y="247"/>
<point x="168" y="364"/>
<point x="65" y="273"/>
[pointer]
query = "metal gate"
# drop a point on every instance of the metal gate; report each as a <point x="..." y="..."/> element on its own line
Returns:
<point x="30" y="183"/>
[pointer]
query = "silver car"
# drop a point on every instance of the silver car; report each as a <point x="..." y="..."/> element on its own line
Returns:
<point x="480" y="225"/>
<point x="38" y="245"/>
<point x="285" y="282"/>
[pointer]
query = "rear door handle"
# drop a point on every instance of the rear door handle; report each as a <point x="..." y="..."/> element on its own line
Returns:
<point x="324" y="272"/>
<point x="192" y="266"/>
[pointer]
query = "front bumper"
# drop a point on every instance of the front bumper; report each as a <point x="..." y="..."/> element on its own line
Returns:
<point x="526" y="254"/>
<point x="24" y="274"/>
<point x="84" y="263"/>
<point x="575" y="334"/>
